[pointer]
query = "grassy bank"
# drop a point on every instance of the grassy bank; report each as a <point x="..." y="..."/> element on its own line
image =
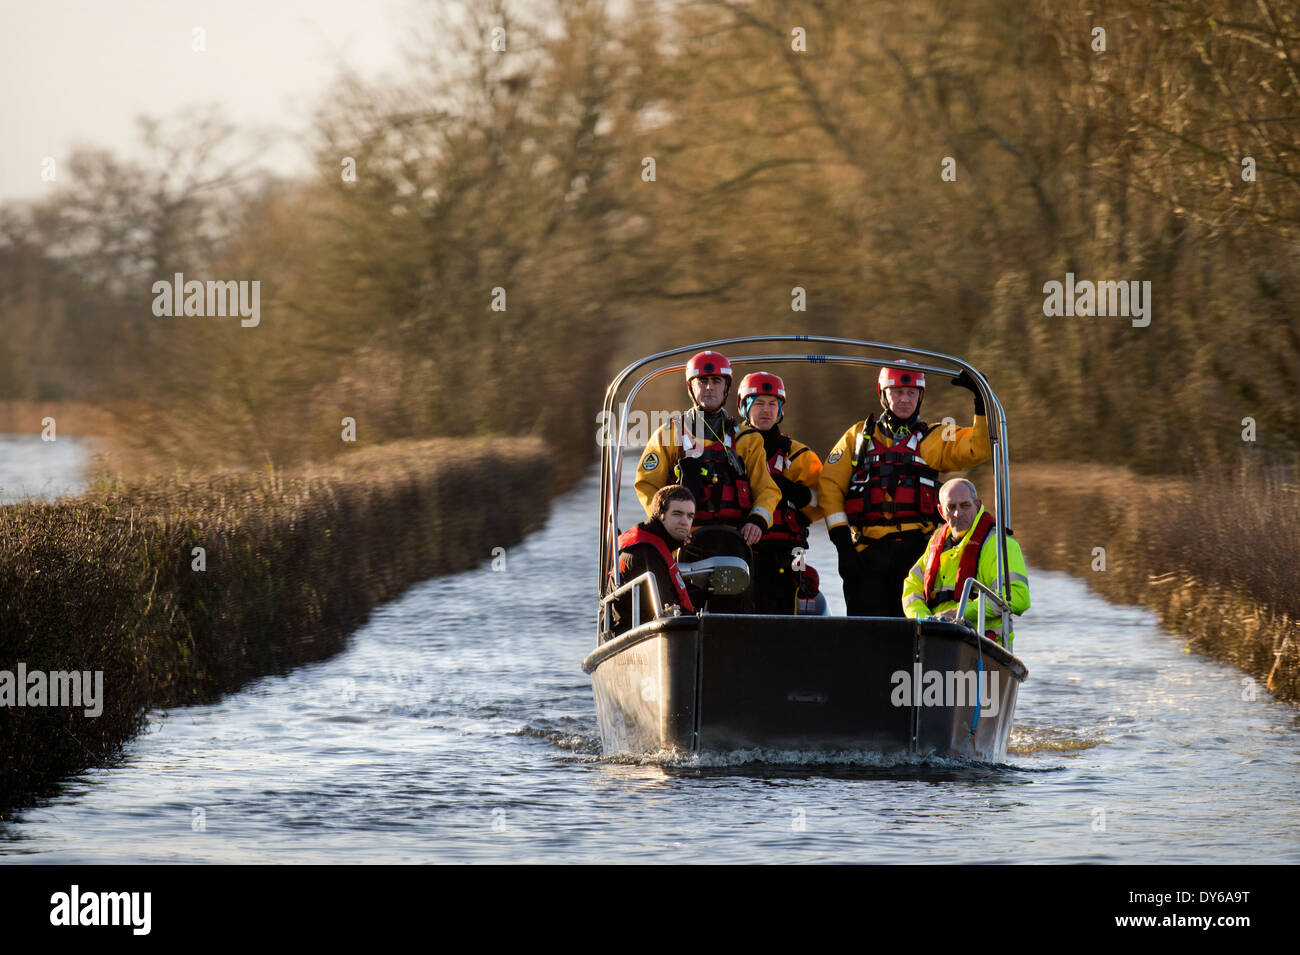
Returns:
<point x="293" y="563"/>
<point x="1215" y="559"/>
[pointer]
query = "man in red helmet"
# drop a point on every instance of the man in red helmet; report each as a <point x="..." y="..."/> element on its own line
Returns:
<point x="879" y="488"/>
<point x="779" y="567"/>
<point x="723" y="466"/>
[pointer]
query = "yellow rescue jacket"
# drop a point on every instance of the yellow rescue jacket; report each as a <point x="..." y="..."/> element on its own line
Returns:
<point x="665" y="449"/>
<point x="966" y="448"/>
<point x="801" y="465"/>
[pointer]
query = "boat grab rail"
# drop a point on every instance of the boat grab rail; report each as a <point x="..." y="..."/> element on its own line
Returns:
<point x="986" y="594"/>
<point x="646" y="580"/>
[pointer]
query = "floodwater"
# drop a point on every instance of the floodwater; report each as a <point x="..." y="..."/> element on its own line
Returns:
<point x="32" y="468"/>
<point x="458" y="727"/>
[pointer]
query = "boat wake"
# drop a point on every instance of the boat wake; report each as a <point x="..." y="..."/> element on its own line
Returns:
<point x="776" y="758"/>
<point x="572" y="735"/>
<point x="1026" y="741"/>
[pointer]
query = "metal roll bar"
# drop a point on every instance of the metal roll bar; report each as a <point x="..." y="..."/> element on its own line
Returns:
<point x="611" y="458"/>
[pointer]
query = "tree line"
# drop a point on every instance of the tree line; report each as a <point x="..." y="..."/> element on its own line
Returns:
<point x="489" y="238"/>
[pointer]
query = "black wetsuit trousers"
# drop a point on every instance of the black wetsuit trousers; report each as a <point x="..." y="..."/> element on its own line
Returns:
<point x="883" y="565"/>
<point x="776" y="584"/>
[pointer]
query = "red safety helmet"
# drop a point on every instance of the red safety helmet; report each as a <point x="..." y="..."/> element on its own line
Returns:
<point x="900" y="376"/>
<point x="757" y="384"/>
<point x="707" y="363"/>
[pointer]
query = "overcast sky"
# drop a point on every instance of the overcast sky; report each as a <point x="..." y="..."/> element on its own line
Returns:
<point x="80" y="71"/>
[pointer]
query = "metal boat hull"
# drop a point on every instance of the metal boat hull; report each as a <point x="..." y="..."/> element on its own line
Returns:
<point x="724" y="683"/>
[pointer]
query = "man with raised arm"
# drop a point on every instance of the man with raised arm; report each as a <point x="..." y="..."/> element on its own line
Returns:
<point x="879" y="488"/>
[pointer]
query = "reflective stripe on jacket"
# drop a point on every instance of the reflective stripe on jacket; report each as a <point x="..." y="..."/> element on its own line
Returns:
<point x="891" y="484"/>
<point x="798" y="463"/>
<point x="968" y="447"/>
<point x="669" y="446"/>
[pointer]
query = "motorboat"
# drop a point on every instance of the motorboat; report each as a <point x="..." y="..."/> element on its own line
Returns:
<point x="810" y="684"/>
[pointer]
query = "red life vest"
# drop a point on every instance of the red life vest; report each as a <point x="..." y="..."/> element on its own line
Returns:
<point x="716" y="475"/>
<point x="787" y="523"/>
<point x="968" y="566"/>
<point x="891" y="485"/>
<point x="640" y="535"/>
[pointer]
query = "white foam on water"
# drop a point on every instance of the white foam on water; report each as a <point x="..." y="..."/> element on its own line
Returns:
<point x="679" y="759"/>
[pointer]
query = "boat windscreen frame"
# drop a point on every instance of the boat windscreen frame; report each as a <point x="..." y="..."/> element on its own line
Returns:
<point x="612" y="453"/>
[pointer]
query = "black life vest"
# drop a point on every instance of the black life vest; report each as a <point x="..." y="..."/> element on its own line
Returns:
<point x="891" y="485"/>
<point x="788" y="524"/>
<point x="640" y="534"/>
<point x="714" y="472"/>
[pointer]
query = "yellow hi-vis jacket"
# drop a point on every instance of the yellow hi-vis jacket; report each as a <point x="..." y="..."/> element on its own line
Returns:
<point x="968" y="447"/>
<point x="664" y="450"/>
<point x="986" y="573"/>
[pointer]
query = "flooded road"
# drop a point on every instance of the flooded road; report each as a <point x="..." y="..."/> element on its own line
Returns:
<point x="459" y="727"/>
<point x="30" y="467"/>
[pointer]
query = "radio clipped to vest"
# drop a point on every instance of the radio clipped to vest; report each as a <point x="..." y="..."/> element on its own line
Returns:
<point x="714" y="472"/>
<point x="891" y="485"/>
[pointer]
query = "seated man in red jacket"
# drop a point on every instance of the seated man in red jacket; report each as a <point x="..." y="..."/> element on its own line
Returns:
<point x="649" y="547"/>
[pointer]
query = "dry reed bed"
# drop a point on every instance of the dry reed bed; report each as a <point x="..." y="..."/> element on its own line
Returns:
<point x="1215" y="558"/>
<point x="294" y="563"/>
